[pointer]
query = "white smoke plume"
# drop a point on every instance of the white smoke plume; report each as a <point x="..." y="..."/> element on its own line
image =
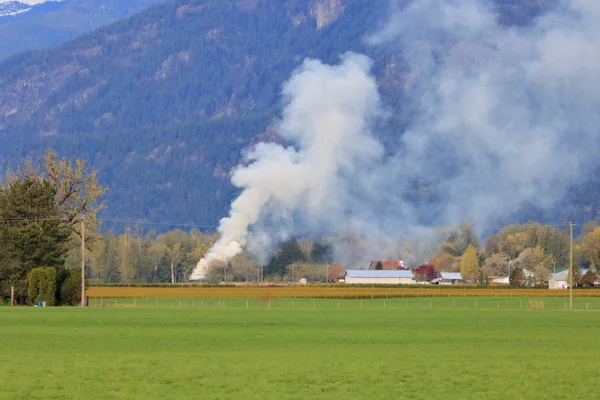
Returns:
<point x="327" y="118"/>
<point x="501" y="115"/>
<point x="498" y="117"/>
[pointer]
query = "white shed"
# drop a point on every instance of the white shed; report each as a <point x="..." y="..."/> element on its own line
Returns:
<point x="501" y="279"/>
<point x="559" y="279"/>
<point x="382" y="277"/>
<point x="449" y="278"/>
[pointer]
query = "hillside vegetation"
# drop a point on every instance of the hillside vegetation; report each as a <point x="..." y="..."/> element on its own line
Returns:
<point x="163" y="103"/>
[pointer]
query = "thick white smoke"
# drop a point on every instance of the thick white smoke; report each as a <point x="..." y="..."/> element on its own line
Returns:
<point x="499" y="116"/>
<point x="327" y="118"/>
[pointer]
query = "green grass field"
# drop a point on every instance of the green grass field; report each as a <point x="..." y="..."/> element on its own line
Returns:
<point x="502" y="349"/>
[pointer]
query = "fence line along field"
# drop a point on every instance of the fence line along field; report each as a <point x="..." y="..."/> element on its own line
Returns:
<point x="425" y="304"/>
<point x="326" y="292"/>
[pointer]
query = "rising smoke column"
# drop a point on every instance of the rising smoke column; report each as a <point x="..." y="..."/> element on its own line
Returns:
<point x="327" y="117"/>
<point x="500" y="116"/>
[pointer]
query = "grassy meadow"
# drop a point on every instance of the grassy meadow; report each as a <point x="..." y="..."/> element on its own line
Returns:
<point x="419" y="348"/>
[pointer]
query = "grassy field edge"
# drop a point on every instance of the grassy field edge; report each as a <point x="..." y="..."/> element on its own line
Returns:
<point x="326" y="292"/>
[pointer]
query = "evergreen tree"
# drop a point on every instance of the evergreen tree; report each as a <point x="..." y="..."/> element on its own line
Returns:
<point x="379" y="266"/>
<point x="468" y="237"/>
<point x="321" y="253"/>
<point x="32" y="234"/>
<point x="70" y="291"/>
<point x="288" y="253"/>
<point x="42" y="286"/>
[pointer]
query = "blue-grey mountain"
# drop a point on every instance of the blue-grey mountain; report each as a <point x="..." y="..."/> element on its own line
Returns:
<point x="164" y="102"/>
<point x="38" y="24"/>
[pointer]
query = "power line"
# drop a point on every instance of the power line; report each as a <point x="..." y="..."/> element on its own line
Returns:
<point x="165" y="222"/>
<point x="143" y="221"/>
<point x="140" y="221"/>
<point x="23" y="219"/>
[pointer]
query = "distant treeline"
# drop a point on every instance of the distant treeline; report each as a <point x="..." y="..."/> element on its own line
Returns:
<point x="47" y="204"/>
<point x="134" y="257"/>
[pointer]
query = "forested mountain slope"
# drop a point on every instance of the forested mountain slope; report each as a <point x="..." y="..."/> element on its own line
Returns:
<point x="163" y="103"/>
<point x="30" y="26"/>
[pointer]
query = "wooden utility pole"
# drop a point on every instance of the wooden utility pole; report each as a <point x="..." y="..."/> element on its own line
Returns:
<point x="570" y="265"/>
<point x="12" y="296"/>
<point x="172" y="272"/>
<point x="82" y="262"/>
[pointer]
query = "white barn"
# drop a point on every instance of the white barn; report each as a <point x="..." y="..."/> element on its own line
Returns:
<point x="560" y="279"/>
<point x="382" y="277"/>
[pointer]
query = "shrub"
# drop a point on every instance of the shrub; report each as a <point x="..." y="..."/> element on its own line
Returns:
<point x="42" y="285"/>
<point x="70" y="290"/>
<point x="589" y="279"/>
<point x="483" y="280"/>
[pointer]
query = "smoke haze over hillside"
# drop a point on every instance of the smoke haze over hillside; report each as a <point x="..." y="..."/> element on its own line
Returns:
<point x="500" y="116"/>
<point x="505" y="115"/>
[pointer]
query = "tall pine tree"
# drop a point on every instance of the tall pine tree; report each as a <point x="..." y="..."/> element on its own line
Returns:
<point x="32" y="233"/>
<point x="288" y="253"/>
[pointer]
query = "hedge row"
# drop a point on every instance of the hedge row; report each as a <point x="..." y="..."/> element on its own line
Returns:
<point x="62" y="287"/>
<point x="42" y="286"/>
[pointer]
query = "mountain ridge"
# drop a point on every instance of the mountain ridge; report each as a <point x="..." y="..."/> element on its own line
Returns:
<point x="164" y="103"/>
<point x="31" y="24"/>
<point x="10" y="8"/>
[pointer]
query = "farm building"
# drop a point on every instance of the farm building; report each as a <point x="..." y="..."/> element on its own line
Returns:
<point x="501" y="279"/>
<point x="397" y="277"/>
<point x="388" y="265"/>
<point x="449" y="278"/>
<point x="560" y="279"/>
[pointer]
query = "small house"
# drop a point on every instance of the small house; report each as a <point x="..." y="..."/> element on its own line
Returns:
<point x="396" y="277"/>
<point x="449" y="278"/>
